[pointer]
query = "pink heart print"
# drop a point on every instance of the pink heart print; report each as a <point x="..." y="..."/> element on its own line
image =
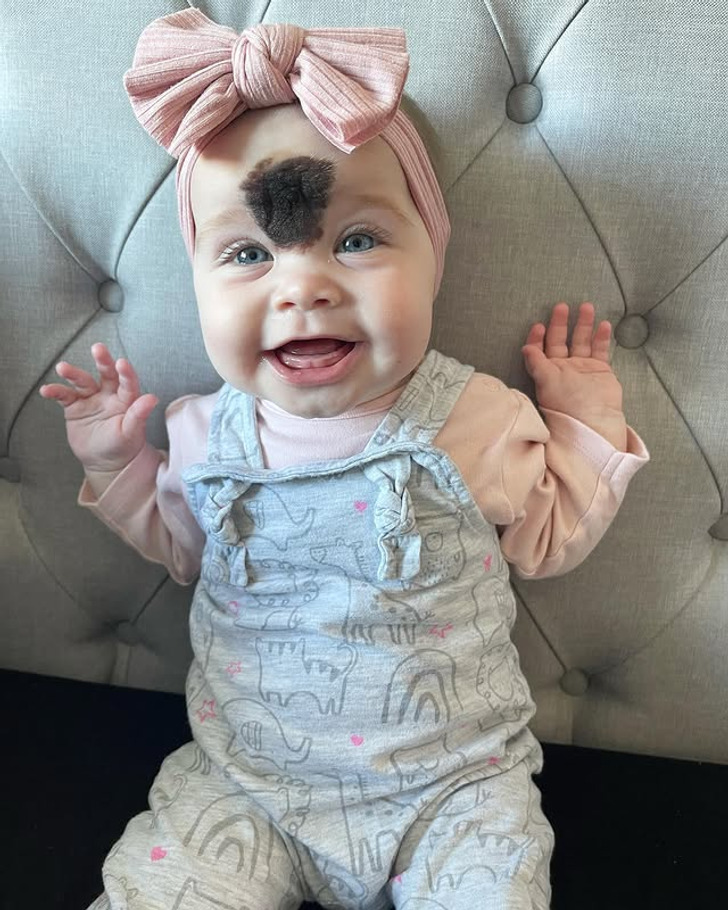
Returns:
<point x="360" y="506"/>
<point x="488" y="562"/>
<point x="357" y="740"/>
<point x="158" y="853"/>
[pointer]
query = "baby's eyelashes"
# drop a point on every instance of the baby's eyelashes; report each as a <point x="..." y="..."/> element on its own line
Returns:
<point x="246" y="254"/>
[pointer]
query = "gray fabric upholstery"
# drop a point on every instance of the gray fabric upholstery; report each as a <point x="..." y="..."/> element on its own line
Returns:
<point x="606" y="179"/>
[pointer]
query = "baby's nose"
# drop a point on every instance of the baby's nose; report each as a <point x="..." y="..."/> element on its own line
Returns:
<point x="307" y="287"/>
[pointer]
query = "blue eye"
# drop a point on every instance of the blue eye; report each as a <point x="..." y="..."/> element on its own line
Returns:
<point x="252" y="255"/>
<point x="357" y="243"/>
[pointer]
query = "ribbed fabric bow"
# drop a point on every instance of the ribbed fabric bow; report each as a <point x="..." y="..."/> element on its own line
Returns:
<point x="191" y="77"/>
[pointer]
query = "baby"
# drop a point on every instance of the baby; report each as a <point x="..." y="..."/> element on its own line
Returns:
<point x="349" y="500"/>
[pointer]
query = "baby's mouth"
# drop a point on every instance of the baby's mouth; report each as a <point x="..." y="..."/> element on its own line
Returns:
<point x="313" y="353"/>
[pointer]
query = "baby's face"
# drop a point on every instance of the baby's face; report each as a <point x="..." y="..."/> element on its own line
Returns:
<point x="313" y="270"/>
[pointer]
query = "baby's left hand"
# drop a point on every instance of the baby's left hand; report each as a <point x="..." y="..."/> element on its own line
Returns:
<point x="578" y="380"/>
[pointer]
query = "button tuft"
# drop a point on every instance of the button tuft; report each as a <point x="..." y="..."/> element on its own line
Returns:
<point x="575" y="683"/>
<point x="111" y="296"/>
<point x="524" y="103"/>
<point x="128" y="634"/>
<point x="632" y="331"/>
<point x="720" y="529"/>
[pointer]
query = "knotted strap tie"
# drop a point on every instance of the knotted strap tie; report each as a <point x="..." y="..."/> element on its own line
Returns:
<point x="398" y="539"/>
<point x="225" y="561"/>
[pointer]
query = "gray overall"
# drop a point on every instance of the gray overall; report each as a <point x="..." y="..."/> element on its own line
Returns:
<point x="358" y="710"/>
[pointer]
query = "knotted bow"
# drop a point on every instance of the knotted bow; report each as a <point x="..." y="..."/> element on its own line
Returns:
<point x="191" y="77"/>
<point x="398" y="538"/>
<point x="226" y="554"/>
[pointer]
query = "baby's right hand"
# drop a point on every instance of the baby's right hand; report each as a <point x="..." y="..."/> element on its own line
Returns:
<point x="106" y="420"/>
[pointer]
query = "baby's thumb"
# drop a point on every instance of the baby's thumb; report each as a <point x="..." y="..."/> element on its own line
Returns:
<point x="533" y="357"/>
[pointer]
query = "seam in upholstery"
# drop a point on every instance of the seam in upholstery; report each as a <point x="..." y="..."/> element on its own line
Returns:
<point x="36" y="385"/>
<point x="472" y="162"/>
<point x="539" y="628"/>
<point x="47" y="223"/>
<point x="487" y="5"/>
<point x="557" y="39"/>
<point x="713" y="473"/>
<point x="45" y="565"/>
<point x="141" y="612"/>
<point x="588" y="217"/>
<point x="142" y="209"/>
<point x="687" y="277"/>
<point x="709" y="573"/>
<point x="105" y="627"/>
<point x="52" y="575"/>
<point x="193" y="5"/>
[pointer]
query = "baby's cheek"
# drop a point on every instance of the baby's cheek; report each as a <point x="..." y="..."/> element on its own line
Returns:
<point x="227" y="346"/>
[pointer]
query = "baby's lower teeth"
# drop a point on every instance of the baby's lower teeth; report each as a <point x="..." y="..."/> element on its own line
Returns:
<point x="312" y="361"/>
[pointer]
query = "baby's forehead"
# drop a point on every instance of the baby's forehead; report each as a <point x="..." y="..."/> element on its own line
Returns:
<point x="279" y="169"/>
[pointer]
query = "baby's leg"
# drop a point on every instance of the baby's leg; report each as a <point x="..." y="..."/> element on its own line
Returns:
<point x="485" y="845"/>
<point x="205" y="845"/>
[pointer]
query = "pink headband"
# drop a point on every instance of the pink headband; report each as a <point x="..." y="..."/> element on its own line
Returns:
<point x="191" y="78"/>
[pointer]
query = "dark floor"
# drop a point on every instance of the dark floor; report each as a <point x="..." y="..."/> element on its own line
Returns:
<point x="77" y="760"/>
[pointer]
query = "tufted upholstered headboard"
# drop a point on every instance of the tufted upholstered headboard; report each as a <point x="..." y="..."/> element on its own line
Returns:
<point x="582" y="149"/>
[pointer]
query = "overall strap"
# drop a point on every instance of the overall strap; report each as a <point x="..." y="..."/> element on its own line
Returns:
<point x="233" y="434"/>
<point x="427" y="401"/>
<point x="416" y="418"/>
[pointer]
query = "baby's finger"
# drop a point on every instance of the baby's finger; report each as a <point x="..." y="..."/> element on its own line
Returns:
<point x="534" y="359"/>
<point x="581" y="340"/>
<point x="557" y="331"/>
<point x="536" y="335"/>
<point x="83" y="382"/>
<point x="106" y="367"/>
<point x="63" y="394"/>
<point x="128" y="381"/>
<point x="139" y="412"/>
<point x="600" y="348"/>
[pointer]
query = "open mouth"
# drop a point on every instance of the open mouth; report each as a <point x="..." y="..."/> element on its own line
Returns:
<point x="312" y="361"/>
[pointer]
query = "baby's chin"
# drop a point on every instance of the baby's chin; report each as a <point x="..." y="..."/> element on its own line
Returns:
<point x="313" y="407"/>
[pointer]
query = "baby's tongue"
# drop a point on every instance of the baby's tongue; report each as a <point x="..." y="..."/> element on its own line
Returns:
<point x="312" y="352"/>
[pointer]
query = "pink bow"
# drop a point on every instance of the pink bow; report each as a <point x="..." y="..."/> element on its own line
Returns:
<point x="190" y="77"/>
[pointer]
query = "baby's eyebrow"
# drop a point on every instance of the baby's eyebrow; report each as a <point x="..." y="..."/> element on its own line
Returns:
<point x="230" y="217"/>
<point x="373" y="201"/>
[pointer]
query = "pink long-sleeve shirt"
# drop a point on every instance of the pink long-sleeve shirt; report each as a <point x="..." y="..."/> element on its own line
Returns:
<point x="552" y="486"/>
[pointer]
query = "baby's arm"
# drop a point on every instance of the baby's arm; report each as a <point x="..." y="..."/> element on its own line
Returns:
<point x="135" y="489"/>
<point x="562" y="484"/>
<point x="564" y="488"/>
<point x="552" y="485"/>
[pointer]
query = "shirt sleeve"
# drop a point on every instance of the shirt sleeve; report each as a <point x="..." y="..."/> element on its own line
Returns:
<point x="551" y="485"/>
<point x="146" y="504"/>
